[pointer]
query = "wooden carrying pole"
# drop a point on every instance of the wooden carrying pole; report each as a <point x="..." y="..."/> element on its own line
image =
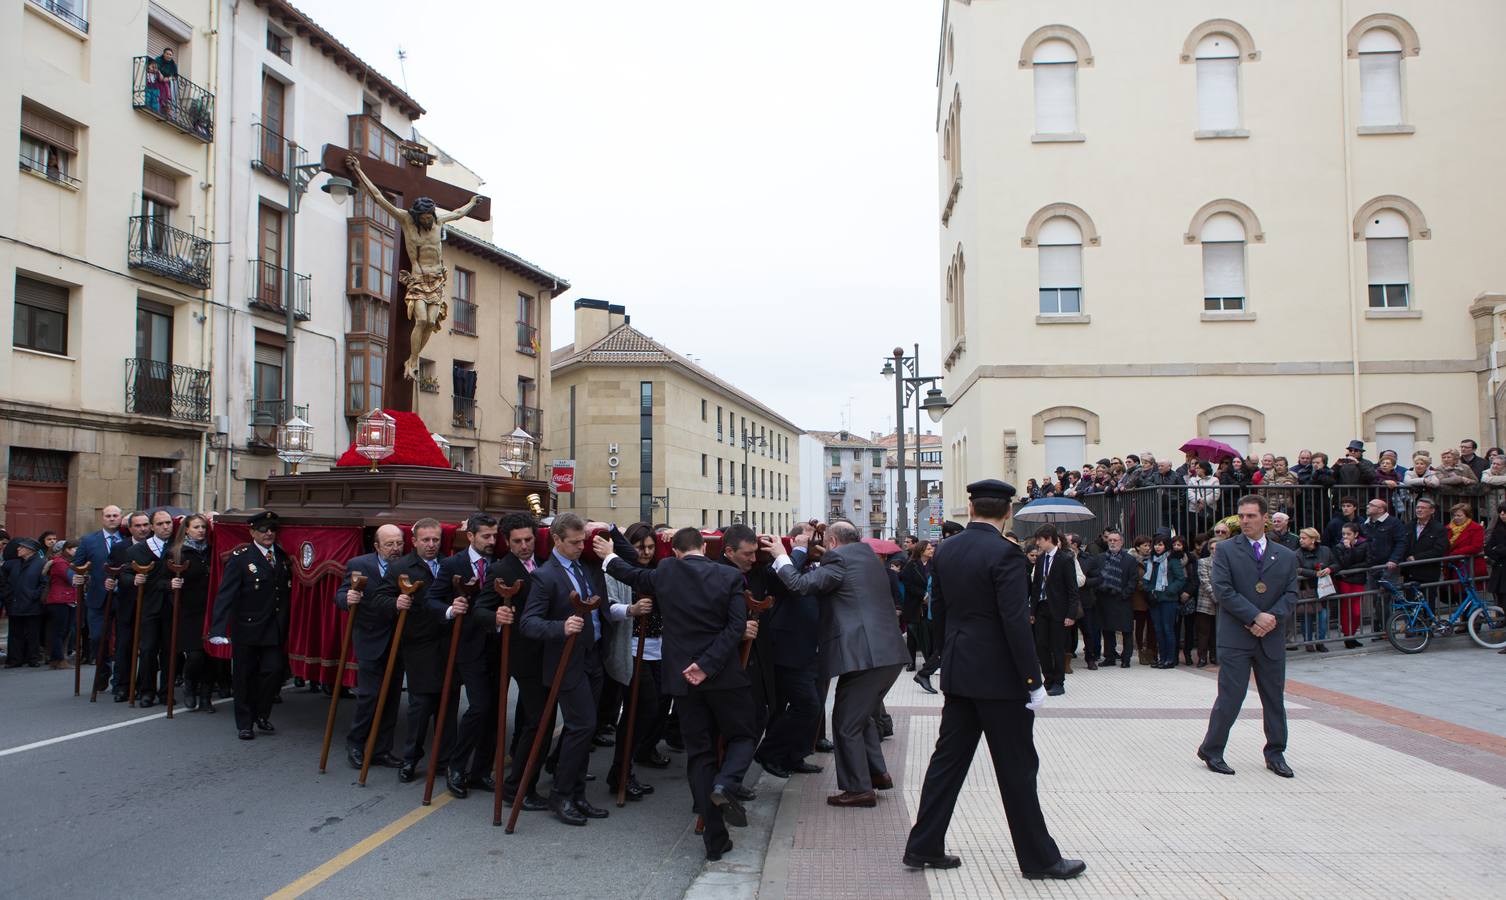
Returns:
<point x="111" y="572"/>
<point x="632" y="717"/>
<point x="177" y="568"/>
<point x="755" y="608"/>
<point x="357" y="584"/>
<point x="466" y="589"/>
<point x="507" y="594"/>
<point x="78" y="630"/>
<point x="139" y="569"/>
<point x="583" y="609"/>
<point x="408" y="587"/>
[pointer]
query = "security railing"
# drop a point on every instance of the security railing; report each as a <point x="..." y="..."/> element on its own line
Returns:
<point x="175" y="100"/>
<point x="271" y="152"/>
<point x="465" y="316"/>
<point x="530" y="419"/>
<point x="464" y="413"/>
<point x="156" y="388"/>
<point x="74" y="12"/>
<point x="836" y="488"/>
<point x="268" y="284"/>
<point x="528" y="342"/>
<point x="265" y="416"/>
<point x="159" y="248"/>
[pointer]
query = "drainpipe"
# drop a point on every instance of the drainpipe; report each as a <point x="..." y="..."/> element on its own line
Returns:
<point x="1354" y="324"/>
<point x="211" y="158"/>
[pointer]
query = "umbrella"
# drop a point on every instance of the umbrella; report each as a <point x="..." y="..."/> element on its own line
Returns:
<point x="1054" y="509"/>
<point x="1209" y="449"/>
<point x="881" y="546"/>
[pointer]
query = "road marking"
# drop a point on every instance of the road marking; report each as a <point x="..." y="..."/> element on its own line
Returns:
<point x="344" y="860"/>
<point x="35" y="745"/>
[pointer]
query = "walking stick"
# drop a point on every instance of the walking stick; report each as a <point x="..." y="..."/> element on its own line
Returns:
<point x="583" y="609"/>
<point x="408" y="587"/>
<point x="177" y="568"/>
<point x="112" y="572"/>
<point x="755" y="608"/>
<point x="357" y="584"/>
<point x="78" y="648"/>
<point x="466" y="589"/>
<point x="627" y="752"/>
<point x="139" y="569"/>
<point x="506" y="593"/>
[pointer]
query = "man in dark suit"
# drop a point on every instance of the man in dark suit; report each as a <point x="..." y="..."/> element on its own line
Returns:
<point x="255" y="589"/>
<point x="372" y="637"/>
<point x="992" y="682"/>
<point x="121" y="592"/>
<point x="425" y="648"/>
<point x="740" y="550"/>
<point x="1255" y="583"/>
<point x="1427" y="538"/>
<point x="550" y="618"/>
<point x="793" y="628"/>
<point x="705" y="619"/>
<point x="1053" y="584"/>
<point x="1386" y="544"/>
<point x="94" y="548"/>
<point x="525" y="655"/>
<point x="156" y="603"/>
<point x="476" y="657"/>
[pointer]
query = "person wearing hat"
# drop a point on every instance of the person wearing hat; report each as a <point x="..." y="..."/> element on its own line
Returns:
<point x="1353" y="468"/>
<point x="26" y="573"/>
<point x="992" y="682"/>
<point x="255" y="590"/>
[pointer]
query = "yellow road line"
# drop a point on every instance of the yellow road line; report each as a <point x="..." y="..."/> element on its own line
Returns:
<point x="343" y="861"/>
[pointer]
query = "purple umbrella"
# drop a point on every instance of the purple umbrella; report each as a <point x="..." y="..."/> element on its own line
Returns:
<point x="1209" y="449"/>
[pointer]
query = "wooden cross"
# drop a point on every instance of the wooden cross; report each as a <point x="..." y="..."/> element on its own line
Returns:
<point x="404" y="183"/>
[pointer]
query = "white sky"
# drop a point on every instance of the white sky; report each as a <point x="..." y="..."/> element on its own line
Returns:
<point x="754" y="181"/>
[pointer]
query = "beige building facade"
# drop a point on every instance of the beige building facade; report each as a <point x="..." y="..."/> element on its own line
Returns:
<point x="853" y="469"/>
<point x="657" y="438"/>
<point x="1268" y="229"/>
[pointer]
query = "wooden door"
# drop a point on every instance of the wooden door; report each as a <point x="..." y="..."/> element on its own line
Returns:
<point x="154" y="359"/>
<point x="273" y="105"/>
<point x="269" y="274"/>
<point x="37" y="493"/>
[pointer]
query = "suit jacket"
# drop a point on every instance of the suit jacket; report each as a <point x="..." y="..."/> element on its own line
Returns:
<point x="548" y="608"/>
<point x="253" y="595"/>
<point x="763" y="582"/>
<point x="794" y="625"/>
<point x="124" y="596"/>
<point x="156" y="598"/>
<point x="481" y="619"/>
<point x="989" y="649"/>
<point x="372" y="632"/>
<point x="426" y="635"/>
<point x="93" y="549"/>
<point x="704" y="618"/>
<point x="1059" y="593"/>
<point x="525" y="656"/>
<point x="859" y="629"/>
<point x="1431" y="544"/>
<point x="1388" y="540"/>
<point x="1234" y="579"/>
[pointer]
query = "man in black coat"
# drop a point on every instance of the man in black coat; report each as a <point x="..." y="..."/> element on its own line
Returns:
<point x="740" y="550"/>
<point x="156" y="604"/>
<point x="372" y="639"/>
<point x="25" y="575"/>
<point x="255" y="589"/>
<point x="992" y="682"/>
<point x="1053" y="584"/>
<point x="705" y="619"/>
<point x="793" y="628"/>
<point x="515" y="565"/>
<point x="1427" y="538"/>
<point x="121" y="592"/>
<point x="1386" y="543"/>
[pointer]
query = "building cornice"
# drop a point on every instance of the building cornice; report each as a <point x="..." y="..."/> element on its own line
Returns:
<point x="293" y="19"/>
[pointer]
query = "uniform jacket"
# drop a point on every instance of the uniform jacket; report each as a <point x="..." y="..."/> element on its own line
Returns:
<point x="426" y="635"/>
<point x="859" y="629"/>
<point x="372" y="633"/>
<point x="704" y="618"/>
<point x="989" y="649"/>
<point x="253" y="597"/>
<point x="1234" y="578"/>
<point x="548" y="608"/>
<point x="124" y="597"/>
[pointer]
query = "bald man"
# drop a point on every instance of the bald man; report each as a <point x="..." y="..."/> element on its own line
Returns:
<point x="372" y="637"/>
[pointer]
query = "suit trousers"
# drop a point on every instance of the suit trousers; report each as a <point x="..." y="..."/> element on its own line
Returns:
<point x="645" y="724"/>
<point x="25" y="640"/>
<point x="368" y="685"/>
<point x="476" y="738"/>
<point x="125" y="633"/>
<point x="1009" y="727"/>
<point x="856" y="736"/>
<point x="706" y="717"/>
<point x="422" y="708"/>
<point x="938" y="640"/>
<point x="577" y="704"/>
<point x="793" y="729"/>
<point x="155" y="636"/>
<point x="1234" y="665"/>
<point x="1050" y="646"/>
<point x="255" y="676"/>
<point x="1092" y="637"/>
<point x="532" y="692"/>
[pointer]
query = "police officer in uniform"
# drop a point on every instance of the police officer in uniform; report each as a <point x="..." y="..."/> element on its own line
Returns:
<point x="255" y="590"/>
<point x="992" y="682"/>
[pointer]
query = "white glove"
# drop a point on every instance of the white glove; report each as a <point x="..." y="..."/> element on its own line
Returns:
<point x="219" y="640"/>
<point x="1037" y="699"/>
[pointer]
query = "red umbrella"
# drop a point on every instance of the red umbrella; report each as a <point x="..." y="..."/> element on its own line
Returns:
<point x="1209" y="449"/>
<point x="881" y="546"/>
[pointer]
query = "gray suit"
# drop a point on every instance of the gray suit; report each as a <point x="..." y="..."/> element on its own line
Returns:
<point x="1235" y="580"/>
<point x="860" y="646"/>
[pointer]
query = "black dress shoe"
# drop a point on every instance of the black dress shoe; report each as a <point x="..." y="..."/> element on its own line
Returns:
<point x="824" y="746"/>
<point x="1124" y="663"/>
<point x="386" y="761"/>
<point x="355" y="756"/>
<point x="925" y="683"/>
<point x="1056" y="690"/>
<point x="584" y="807"/>
<point x="602" y="739"/>
<point x="645" y="788"/>
<point x="531" y="802"/>
<point x="277" y="697"/>
<point x="146" y="701"/>
<point x="455" y="781"/>
<point x="246" y="734"/>
<point x="407" y="772"/>
<point x="804" y="768"/>
<point x="1278" y="765"/>
<point x="714" y="855"/>
<point x="265" y="725"/>
<point x="774" y="769"/>
<point x="1215" y="763"/>
<point x="744" y="794"/>
<point x="910" y="666"/>
<point x="654" y="760"/>
<point x="633" y="792"/>
<point x="297" y="682"/>
<point x="1064" y="869"/>
<point x="483" y="783"/>
<point x="119" y="698"/>
<point x="206" y="703"/>
<point x="725" y="800"/>
<point x="921" y="861"/>
<point x="565" y="811"/>
<point x="190" y="699"/>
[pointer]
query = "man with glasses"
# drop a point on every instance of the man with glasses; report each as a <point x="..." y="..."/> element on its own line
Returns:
<point x="372" y="635"/>
<point x="1386" y="538"/>
<point x="255" y="590"/>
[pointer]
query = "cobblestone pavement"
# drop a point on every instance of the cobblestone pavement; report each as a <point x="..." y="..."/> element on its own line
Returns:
<point x="1386" y="803"/>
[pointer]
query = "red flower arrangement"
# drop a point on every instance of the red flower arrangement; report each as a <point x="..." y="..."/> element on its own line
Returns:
<point x="411" y="446"/>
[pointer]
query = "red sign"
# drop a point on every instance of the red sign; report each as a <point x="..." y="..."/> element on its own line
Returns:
<point x="562" y="476"/>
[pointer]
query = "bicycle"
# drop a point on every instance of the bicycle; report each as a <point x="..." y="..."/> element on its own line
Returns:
<point x="1413" y="624"/>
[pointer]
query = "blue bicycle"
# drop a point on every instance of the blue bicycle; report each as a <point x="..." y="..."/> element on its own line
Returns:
<point x="1413" y="623"/>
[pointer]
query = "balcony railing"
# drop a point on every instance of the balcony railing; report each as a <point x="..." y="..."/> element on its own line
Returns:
<point x="156" y="388"/>
<point x="876" y="487"/>
<point x="836" y="488"/>
<point x="876" y="518"/>
<point x="38" y="167"/>
<point x="176" y="101"/>
<point x="264" y="417"/>
<point x="268" y="284"/>
<point x="465" y="316"/>
<point x="163" y="250"/>
<point x="74" y="12"/>
<point x="530" y="419"/>
<point x="465" y="413"/>
<point x="528" y="341"/>
<point x="270" y="152"/>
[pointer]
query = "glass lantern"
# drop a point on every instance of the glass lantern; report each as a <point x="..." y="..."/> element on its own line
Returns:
<point x="295" y="442"/>
<point x="376" y="436"/>
<point x="517" y="452"/>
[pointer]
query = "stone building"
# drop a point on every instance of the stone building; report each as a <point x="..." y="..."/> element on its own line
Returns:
<point x="853" y="469"/>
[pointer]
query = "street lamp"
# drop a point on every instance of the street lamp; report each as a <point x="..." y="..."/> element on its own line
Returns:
<point x="295" y="440"/>
<point x="517" y="452"/>
<point x="749" y="441"/>
<point x="443" y="443"/>
<point x="935" y="404"/>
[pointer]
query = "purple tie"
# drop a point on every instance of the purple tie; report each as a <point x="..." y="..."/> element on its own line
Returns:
<point x="1257" y="551"/>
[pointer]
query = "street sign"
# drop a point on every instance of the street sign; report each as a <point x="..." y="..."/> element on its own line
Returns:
<point x="562" y="476"/>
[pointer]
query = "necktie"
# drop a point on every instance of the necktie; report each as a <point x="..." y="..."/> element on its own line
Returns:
<point x="382" y="567"/>
<point x="585" y="587"/>
<point x="480" y="570"/>
<point x="434" y="568"/>
<point x="1045" y="568"/>
<point x="528" y="564"/>
<point x="1258" y="553"/>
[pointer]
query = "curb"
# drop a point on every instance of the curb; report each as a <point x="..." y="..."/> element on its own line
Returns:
<point x="740" y="874"/>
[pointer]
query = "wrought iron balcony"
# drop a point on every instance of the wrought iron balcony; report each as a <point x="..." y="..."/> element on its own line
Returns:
<point x="156" y="388"/>
<point x="528" y="341"/>
<point x="176" y="101"/>
<point x="465" y="413"/>
<point x="530" y="419"/>
<point x="271" y="152"/>
<point x="74" y="12"/>
<point x="876" y="518"/>
<point x="836" y="488"/>
<point x="876" y="487"/>
<point x="465" y="316"/>
<point x="157" y="247"/>
<point x="268" y="285"/>
<point x="264" y="417"/>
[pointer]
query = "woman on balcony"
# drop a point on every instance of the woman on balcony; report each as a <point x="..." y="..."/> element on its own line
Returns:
<point x="167" y="84"/>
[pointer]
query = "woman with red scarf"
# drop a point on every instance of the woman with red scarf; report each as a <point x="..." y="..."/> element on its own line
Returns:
<point x="1466" y="537"/>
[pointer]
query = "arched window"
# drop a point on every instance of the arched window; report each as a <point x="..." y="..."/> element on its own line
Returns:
<point x="1396" y="432"/>
<point x="1223" y="240"/>
<point x="1387" y="259"/>
<point x="1055" y="63"/>
<point x="1066" y="443"/>
<point x="1232" y="430"/>
<point x="1380" y="53"/>
<point x="1059" y="244"/>
<point x="1217" y="83"/>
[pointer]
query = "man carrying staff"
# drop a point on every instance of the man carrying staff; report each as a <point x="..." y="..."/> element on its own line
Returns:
<point x="156" y="604"/>
<point x="372" y="636"/>
<point x="476" y="656"/>
<point x="94" y="548"/>
<point x="525" y="655"/>
<point x="122" y="593"/>
<point x="255" y="590"/>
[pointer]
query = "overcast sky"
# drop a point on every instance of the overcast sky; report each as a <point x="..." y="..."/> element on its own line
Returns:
<point x="754" y="181"/>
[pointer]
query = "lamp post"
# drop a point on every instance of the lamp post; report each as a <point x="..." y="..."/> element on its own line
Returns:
<point x="749" y="442"/>
<point x="376" y="436"/>
<point x="935" y="404"/>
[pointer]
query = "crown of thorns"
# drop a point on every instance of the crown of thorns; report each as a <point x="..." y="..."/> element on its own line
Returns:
<point x="421" y="206"/>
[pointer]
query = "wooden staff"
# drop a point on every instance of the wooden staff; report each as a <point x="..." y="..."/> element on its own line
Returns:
<point x="627" y="753"/>
<point x="408" y="587"/>
<point x="357" y="584"/>
<point x="139" y="569"/>
<point x="78" y="648"/>
<point x="466" y="589"/>
<point x="177" y="568"/>
<point x="755" y="608"/>
<point x="506" y="593"/>
<point x="583" y="609"/>
<point x="112" y="572"/>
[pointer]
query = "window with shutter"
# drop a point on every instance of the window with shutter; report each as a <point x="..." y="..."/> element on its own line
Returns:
<point x="1386" y="259"/>
<point x="1217" y="94"/>
<point x="1060" y="258"/>
<point x="1380" y="78"/>
<point x="1066" y="443"/>
<point x="48" y="144"/>
<point x="1224" y="277"/>
<point x="40" y="320"/>
<point x="1056" y="98"/>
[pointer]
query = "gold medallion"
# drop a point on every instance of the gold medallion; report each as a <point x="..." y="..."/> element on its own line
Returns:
<point x="1260" y="587"/>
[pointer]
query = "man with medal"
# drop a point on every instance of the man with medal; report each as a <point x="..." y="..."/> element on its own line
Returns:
<point x="1255" y="582"/>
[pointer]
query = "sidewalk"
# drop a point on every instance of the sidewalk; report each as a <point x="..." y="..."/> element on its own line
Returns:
<point x="1383" y="805"/>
